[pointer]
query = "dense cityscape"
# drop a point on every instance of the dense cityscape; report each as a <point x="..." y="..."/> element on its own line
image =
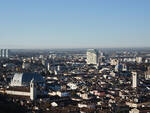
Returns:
<point x="74" y="56"/>
<point x="75" y="80"/>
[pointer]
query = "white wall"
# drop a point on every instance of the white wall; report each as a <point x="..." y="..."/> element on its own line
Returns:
<point x="18" y="93"/>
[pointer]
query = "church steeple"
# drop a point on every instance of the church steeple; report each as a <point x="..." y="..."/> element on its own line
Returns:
<point x="33" y="94"/>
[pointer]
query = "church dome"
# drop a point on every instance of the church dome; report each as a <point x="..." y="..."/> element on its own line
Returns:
<point x="24" y="79"/>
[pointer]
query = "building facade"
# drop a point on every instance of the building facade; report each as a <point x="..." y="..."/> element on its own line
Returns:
<point x="92" y="56"/>
<point x="4" y="53"/>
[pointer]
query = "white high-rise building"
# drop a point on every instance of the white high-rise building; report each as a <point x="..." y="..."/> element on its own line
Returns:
<point x="92" y="56"/>
<point x="134" y="79"/>
<point x="4" y="53"/>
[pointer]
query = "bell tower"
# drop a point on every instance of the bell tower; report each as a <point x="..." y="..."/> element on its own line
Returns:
<point x="33" y="92"/>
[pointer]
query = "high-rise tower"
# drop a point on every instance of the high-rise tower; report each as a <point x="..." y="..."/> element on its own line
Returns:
<point x="134" y="80"/>
<point x="92" y="56"/>
<point x="4" y="53"/>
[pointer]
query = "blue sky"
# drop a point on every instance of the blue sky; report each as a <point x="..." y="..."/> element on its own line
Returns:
<point x="74" y="23"/>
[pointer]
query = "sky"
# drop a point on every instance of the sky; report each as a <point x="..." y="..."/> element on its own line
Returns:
<point x="74" y="23"/>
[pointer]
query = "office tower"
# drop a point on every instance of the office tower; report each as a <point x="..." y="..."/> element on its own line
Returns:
<point x="92" y="56"/>
<point x="134" y="79"/>
<point x="4" y="53"/>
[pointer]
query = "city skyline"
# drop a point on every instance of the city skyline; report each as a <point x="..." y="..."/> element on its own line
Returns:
<point x="74" y="24"/>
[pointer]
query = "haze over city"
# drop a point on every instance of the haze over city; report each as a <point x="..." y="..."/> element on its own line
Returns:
<point x="74" y="23"/>
<point x="74" y="56"/>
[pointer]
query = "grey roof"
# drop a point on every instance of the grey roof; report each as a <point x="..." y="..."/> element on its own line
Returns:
<point x="21" y="79"/>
